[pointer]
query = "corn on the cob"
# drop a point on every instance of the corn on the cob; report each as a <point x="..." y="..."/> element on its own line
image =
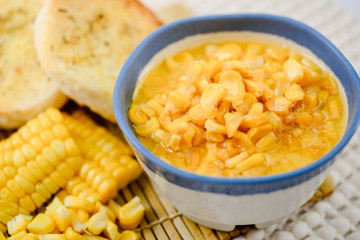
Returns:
<point x="37" y="161"/>
<point x="109" y="165"/>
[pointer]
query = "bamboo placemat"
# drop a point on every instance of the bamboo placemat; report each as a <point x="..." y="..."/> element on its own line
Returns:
<point x="162" y="221"/>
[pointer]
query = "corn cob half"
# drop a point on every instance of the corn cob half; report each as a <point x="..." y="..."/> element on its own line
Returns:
<point x="35" y="162"/>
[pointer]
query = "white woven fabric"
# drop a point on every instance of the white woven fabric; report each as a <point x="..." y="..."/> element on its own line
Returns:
<point x="337" y="216"/>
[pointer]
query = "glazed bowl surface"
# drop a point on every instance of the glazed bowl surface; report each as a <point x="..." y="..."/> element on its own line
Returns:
<point x="220" y="202"/>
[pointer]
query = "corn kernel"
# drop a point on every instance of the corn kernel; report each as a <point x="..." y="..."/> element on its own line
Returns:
<point x="72" y="235"/>
<point x="233" y="84"/>
<point x="19" y="236"/>
<point x="294" y="93"/>
<point x="129" y="235"/>
<point x="232" y="162"/>
<point x="293" y="70"/>
<point x="97" y="223"/>
<point x="27" y="203"/>
<point x="111" y="231"/>
<point x="212" y="126"/>
<point x="147" y="128"/>
<point x="212" y="94"/>
<point x="256" y="133"/>
<point x="131" y="213"/>
<point x="266" y="143"/>
<point x="41" y="224"/>
<point x="253" y="160"/>
<point x="78" y="203"/>
<point x="278" y="105"/>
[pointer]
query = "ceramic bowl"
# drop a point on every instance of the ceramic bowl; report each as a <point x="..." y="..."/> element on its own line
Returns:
<point x="222" y="203"/>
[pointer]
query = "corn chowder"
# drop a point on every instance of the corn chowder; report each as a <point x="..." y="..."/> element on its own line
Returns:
<point x="239" y="108"/>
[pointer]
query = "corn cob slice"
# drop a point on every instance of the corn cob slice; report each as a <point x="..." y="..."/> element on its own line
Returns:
<point x="37" y="161"/>
<point x="109" y="165"/>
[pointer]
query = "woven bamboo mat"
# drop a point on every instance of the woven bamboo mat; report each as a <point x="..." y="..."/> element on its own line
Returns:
<point x="162" y="221"/>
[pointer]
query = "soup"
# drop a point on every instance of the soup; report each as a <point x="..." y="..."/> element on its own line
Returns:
<point x="239" y="108"/>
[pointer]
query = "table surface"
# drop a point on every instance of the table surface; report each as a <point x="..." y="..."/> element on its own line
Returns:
<point x="338" y="215"/>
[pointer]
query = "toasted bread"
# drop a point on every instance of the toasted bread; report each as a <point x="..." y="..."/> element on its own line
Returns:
<point x="25" y="89"/>
<point x="82" y="45"/>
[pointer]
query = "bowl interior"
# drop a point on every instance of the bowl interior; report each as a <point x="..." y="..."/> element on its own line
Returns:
<point x="281" y="26"/>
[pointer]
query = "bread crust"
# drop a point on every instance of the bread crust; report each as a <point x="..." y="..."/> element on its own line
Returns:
<point x="25" y="89"/>
<point x="82" y="45"/>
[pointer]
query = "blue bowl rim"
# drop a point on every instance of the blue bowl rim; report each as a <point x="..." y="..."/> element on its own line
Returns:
<point x="130" y="136"/>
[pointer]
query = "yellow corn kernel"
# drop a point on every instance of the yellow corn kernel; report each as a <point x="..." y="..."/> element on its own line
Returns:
<point x="212" y="126"/>
<point x="136" y="115"/>
<point x="229" y="51"/>
<point x="27" y="203"/>
<point x="148" y="127"/>
<point x="99" y="207"/>
<point x="213" y="137"/>
<point x="114" y="206"/>
<point x="4" y="217"/>
<point x="93" y="237"/>
<point x="333" y="109"/>
<point x="233" y="84"/>
<point x="38" y="199"/>
<point x="61" y="217"/>
<point x="175" y="141"/>
<point x="19" y="236"/>
<point x="232" y="162"/>
<point x="76" y="223"/>
<point x="108" y="189"/>
<point x="35" y="170"/>
<point x="276" y="53"/>
<point x="78" y="203"/>
<point x="18" y="223"/>
<point x="97" y="223"/>
<point x="72" y="235"/>
<point x="24" y="172"/>
<point x="256" y="133"/>
<point x="310" y="102"/>
<point x="36" y="143"/>
<point x="189" y="135"/>
<point x="28" y="151"/>
<point x="294" y="93"/>
<point x="47" y="136"/>
<point x="41" y="224"/>
<point x="155" y="105"/>
<point x="293" y="70"/>
<point x="304" y="118"/>
<point x="66" y="171"/>
<point x="278" y="105"/>
<point x="15" y="188"/>
<point x="45" y="166"/>
<point x="3" y="178"/>
<point x="254" y="87"/>
<point x="212" y="95"/>
<point x="83" y="215"/>
<point x="8" y="207"/>
<point x="111" y="231"/>
<point x="266" y="143"/>
<point x="253" y="120"/>
<point x="8" y="195"/>
<point x="100" y="178"/>
<point x="147" y="110"/>
<point x="52" y="236"/>
<point x="253" y="160"/>
<point x="129" y="235"/>
<point x="50" y="184"/>
<point x="131" y="214"/>
<point x="181" y="97"/>
<point x="2" y="236"/>
<point x="245" y="141"/>
<point x="178" y="126"/>
<point x="9" y="171"/>
<point x="51" y="156"/>
<point x="196" y="114"/>
<point x="18" y="158"/>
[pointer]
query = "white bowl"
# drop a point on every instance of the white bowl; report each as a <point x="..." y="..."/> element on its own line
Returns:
<point x="219" y="202"/>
